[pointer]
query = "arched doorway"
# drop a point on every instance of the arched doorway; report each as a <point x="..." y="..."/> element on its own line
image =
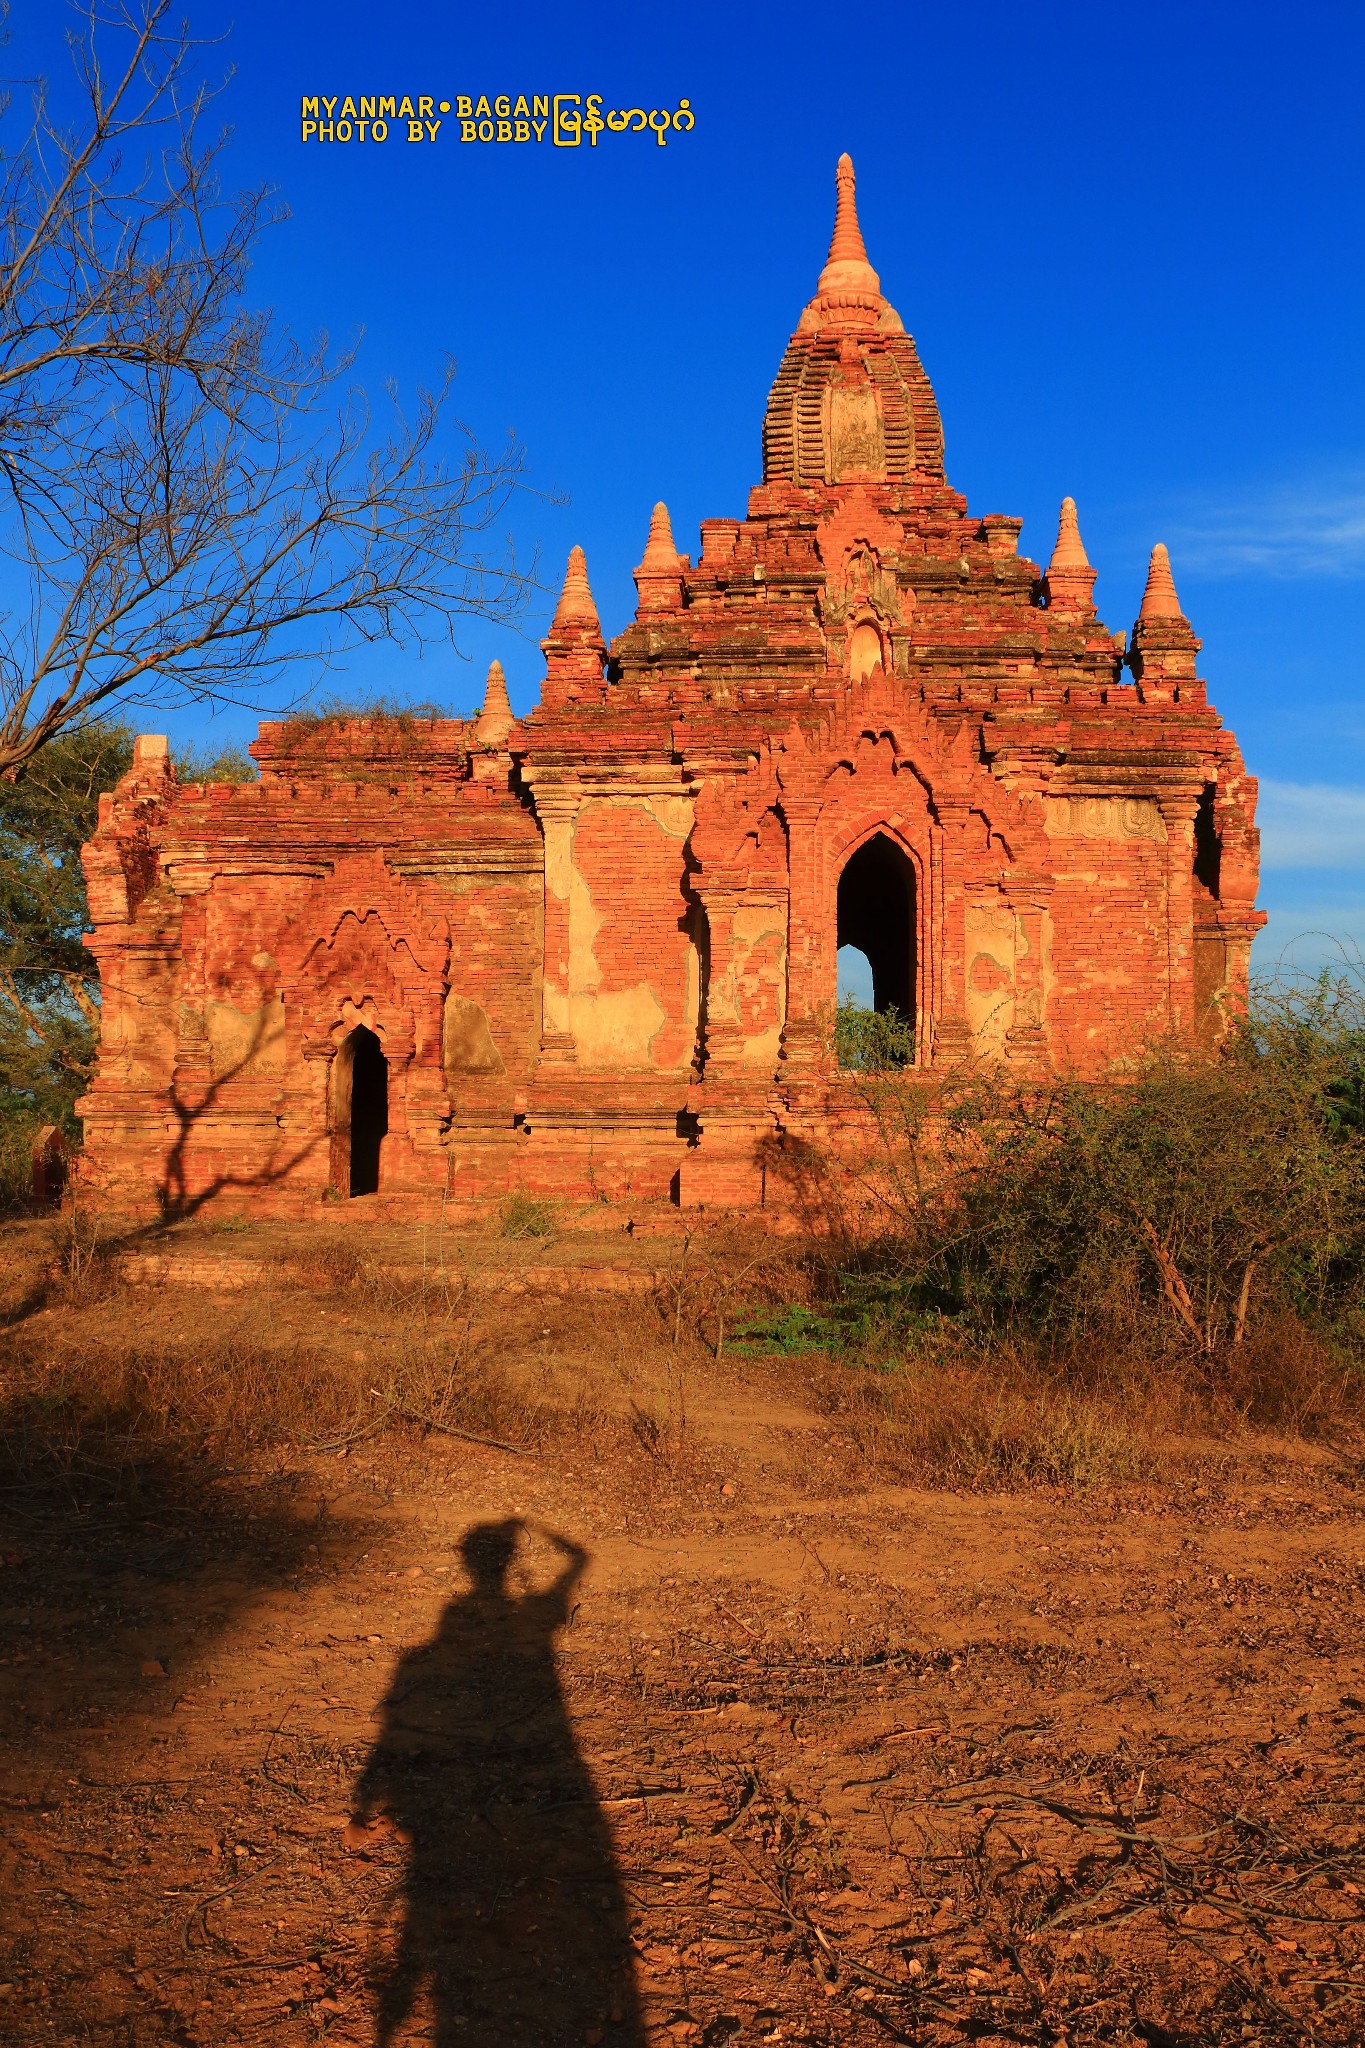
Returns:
<point x="360" y="1114"/>
<point x="876" y="920"/>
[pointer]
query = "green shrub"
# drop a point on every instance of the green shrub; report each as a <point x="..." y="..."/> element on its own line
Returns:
<point x="525" y="1215"/>
<point x="872" y="1041"/>
<point x="1180" y="1203"/>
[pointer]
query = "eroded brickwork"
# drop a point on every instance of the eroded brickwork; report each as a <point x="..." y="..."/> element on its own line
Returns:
<point x="594" y="952"/>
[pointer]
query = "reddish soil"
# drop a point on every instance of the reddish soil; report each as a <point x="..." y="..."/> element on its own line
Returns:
<point x="715" y="1743"/>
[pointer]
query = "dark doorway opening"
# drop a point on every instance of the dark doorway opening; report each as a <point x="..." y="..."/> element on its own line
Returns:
<point x="362" y="1110"/>
<point x="876" y="916"/>
<point x="1208" y="846"/>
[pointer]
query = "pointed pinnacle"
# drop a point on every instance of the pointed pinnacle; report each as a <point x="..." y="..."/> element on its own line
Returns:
<point x="1159" y="600"/>
<point x="495" y="697"/>
<point x="660" y="556"/>
<point x="1069" y="552"/>
<point x="847" y="268"/>
<point x="495" y="721"/>
<point x="575" y="607"/>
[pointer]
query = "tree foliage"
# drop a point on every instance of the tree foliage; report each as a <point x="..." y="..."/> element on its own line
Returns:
<point x="49" y="987"/>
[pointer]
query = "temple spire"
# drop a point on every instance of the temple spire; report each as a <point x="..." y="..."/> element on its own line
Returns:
<point x="1159" y="600"/>
<point x="575" y="607"/>
<point x="1164" y="646"/>
<point x="1069" y="553"/>
<point x="847" y="268"/>
<point x="1070" y="578"/>
<point x="660" y="553"/>
<point x="658" y="580"/>
<point x="573" y="649"/>
<point x="495" y="721"/>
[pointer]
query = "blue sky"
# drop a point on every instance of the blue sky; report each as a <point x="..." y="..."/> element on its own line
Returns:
<point x="1127" y="240"/>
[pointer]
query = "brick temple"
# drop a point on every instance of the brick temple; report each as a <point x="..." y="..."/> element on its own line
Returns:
<point x="592" y="952"/>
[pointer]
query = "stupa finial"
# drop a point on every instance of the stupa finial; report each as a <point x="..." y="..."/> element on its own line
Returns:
<point x="847" y="268"/>
<point x="658" y="580"/>
<point x="660" y="553"/>
<point x="1159" y="600"/>
<point x="575" y="607"/>
<point x="495" y="721"/>
<point x="1069" y="552"/>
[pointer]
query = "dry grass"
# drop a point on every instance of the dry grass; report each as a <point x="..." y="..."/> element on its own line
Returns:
<point x="986" y="1425"/>
<point x="355" y="1348"/>
<point x="235" y="1393"/>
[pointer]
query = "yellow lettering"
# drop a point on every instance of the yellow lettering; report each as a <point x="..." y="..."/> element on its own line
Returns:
<point x="433" y="130"/>
<point x="379" y="131"/>
<point x="388" y="107"/>
<point x="568" y="121"/>
<point x="310" y="106"/>
<point x="405" y="109"/>
<point x="504" y="131"/>
<point x="367" y="107"/>
<point x="483" y="110"/>
<point x="426" y="106"/>
<point x="523" y="129"/>
<point x="330" y="105"/>
<point x="309" y="128"/>
<point x="348" y="108"/>
<point x="502" y="106"/>
<point x="540" y="127"/>
<point x="325" y="132"/>
<point x="468" y="132"/>
<point x="521" y="110"/>
<point x="416" y="132"/>
<point x="464" y="107"/>
<point x="540" y="105"/>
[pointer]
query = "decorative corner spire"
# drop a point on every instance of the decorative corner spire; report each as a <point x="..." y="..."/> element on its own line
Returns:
<point x="1164" y="645"/>
<point x="1159" y="600"/>
<point x="847" y="268"/>
<point x="573" y="649"/>
<point x="1069" y="553"/>
<point x="1070" y="578"/>
<point x="495" y="721"/>
<point x="660" y="553"/>
<point x="575" y="607"/>
<point x="658" y="580"/>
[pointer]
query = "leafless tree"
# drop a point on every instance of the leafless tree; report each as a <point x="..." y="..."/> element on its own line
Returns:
<point x="192" y="500"/>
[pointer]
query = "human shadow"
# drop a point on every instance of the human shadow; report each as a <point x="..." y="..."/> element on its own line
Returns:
<point x="514" y="1917"/>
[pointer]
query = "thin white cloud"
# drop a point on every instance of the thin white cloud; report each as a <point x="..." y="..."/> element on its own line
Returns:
<point x="1290" y="532"/>
<point x="1311" y="825"/>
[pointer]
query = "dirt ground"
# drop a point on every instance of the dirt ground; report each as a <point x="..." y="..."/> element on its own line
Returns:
<point x="672" y="1727"/>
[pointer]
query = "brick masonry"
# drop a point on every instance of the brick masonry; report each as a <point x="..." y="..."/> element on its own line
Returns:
<point x="597" y="947"/>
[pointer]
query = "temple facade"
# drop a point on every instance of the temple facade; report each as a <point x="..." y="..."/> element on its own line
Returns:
<point x="592" y="952"/>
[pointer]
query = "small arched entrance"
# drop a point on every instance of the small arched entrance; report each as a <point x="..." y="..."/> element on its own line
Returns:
<point x="876" y="929"/>
<point x="360" y="1112"/>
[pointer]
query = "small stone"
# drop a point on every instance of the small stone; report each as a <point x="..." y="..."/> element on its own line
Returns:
<point x="153" y="1667"/>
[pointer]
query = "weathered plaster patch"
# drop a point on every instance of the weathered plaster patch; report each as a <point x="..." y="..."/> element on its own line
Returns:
<point x="990" y="972"/>
<point x="466" y="1039"/>
<point x="245" y="1041"/>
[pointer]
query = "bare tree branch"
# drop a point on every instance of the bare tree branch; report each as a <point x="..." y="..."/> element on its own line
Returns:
<point x="196" y="503"/>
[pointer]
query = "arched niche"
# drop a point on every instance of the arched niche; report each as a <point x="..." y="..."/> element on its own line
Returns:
<point x="865" y="651"/>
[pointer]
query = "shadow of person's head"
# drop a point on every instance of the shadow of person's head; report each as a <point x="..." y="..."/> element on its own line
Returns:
<point x="488" y="1550"/>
